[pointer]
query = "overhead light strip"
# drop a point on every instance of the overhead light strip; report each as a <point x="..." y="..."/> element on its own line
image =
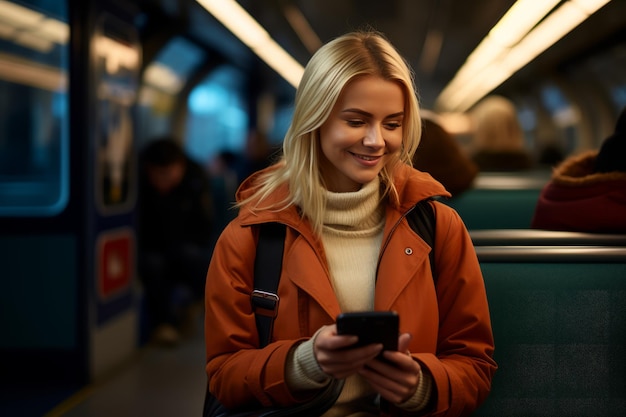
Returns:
<point x="504" y="51"/>
<point x="248" y="30"/>
<point x="303" y="29"/>
<point x="32" y="74"/>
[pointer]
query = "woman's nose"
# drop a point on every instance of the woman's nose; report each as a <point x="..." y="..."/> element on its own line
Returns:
<point x="374" y="136"/>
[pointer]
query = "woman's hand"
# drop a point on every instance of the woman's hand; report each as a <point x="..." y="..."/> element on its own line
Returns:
<point x="396" y="378"/>
<point x="336" y="358"/>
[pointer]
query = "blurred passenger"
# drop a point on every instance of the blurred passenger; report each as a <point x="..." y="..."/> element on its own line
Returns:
<point x="174" y="224"/>
<point x="551" y="155"/>
<point x="440" y="155"/>
<point x="587" y="192"/>
<point x="258" y="152"/>
<point x="498" y="136"/>
<point x="225" y="173"/>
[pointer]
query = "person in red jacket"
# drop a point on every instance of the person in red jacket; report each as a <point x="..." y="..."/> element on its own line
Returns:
<point x="587" y="192"/>
<point x="343" y="188"/>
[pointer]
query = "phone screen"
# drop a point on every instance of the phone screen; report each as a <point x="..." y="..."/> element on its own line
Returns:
<point x="371" y="327"/>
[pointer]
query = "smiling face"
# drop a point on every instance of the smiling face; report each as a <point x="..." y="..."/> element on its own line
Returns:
<point x="362" y="132"/>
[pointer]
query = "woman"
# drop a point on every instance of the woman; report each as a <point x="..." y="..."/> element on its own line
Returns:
<point x="342" y="188"/>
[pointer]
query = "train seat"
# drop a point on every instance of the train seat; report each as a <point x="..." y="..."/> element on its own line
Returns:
<point x="535" y="237"/>
<point x="500" y="200"/>
<point x="559" y="321"/>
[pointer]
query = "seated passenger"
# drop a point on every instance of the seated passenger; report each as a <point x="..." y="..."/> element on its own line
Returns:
<point x="498" y="137"/>
<point x="442" y="157"/>
<point x="587" y="192"/>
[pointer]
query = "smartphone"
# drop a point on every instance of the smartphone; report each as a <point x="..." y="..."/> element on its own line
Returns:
<point x="371" y="327"/>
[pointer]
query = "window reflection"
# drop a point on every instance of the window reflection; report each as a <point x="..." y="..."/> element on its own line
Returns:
<point x="218" y="118"/>
<point x="163" y="80"/>
<point x="33" y="108"/>
<point x="116" y="68"/>
<point x="607" y="67"/>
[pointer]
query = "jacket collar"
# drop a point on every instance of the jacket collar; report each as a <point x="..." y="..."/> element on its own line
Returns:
<point x="412" y="186"/>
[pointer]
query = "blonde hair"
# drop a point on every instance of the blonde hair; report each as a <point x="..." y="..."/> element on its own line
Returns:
<point x="496" y="125"/>
<point x="330" y="69"/>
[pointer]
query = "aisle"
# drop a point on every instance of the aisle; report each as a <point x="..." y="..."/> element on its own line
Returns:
<point x="161" y="382"/>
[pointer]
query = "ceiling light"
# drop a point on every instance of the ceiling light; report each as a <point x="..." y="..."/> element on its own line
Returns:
<point x="520" y="19"/>
<point x="116" y="54"/>
<point x="32" y="74"/>
<point x="547" y="33"/>
<point x="19" y="16"/>
<point x="163" y="77"/>
<point x="248" y="30"/>
<point x="54" y="30"/>
<point x="302" y="28"/>
<point x="590" y="6"/>
<point x="32" y="41"/>
<point x="502" y="53"/>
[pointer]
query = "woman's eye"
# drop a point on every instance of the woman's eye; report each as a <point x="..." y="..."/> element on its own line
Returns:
<point x="393" y="125"/>
<point x="355" y="123"/>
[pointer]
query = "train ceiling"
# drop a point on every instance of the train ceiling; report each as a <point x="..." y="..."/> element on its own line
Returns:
<point x="436" y="36"/>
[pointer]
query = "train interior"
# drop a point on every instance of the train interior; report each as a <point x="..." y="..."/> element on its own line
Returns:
<point x="85" y="85"/>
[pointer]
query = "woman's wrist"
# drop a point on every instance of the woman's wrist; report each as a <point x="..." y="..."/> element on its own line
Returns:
<point x="303" y="372"/>
<point x="419" y="400"/>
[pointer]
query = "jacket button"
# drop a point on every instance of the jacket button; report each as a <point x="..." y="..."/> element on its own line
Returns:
<point x="408" y="251"/>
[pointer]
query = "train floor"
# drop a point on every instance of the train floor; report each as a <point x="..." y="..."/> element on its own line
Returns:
<point x="159" y="382"/>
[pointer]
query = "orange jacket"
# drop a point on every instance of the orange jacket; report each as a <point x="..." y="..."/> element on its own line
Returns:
<point x="452" y="337"/>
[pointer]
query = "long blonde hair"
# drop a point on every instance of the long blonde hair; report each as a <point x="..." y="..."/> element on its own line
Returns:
<point x="325" y="76"/>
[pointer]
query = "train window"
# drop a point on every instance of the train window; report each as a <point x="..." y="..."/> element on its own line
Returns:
<point x="619" y="96"/>
<point x="218" y="118"/>
<point x="163" y="80"/>
<point x="34" y="139"/>
<point x="606" y="67"/>
<point x="563" y="115"/>
<point x="282" y="120"/>
<point x="528" y="122"/>
<point x="116" y="74"/>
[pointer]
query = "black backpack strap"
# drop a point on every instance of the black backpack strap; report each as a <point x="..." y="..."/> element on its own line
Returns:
<point x="423" y="222"/>
<point x="267" y="267"/>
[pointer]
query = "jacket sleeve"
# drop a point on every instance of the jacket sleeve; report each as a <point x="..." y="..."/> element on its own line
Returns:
<point x="463" y="365"/>
<point x="239" y="373"/>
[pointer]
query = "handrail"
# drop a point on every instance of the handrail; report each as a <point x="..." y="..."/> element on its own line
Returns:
<point x="538" y="254"/>
<point x="531" y="180"/>
<point x="527" y="237"/>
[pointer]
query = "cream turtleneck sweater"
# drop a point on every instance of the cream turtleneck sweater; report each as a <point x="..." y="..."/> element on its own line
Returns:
<point x="352" y="236"/>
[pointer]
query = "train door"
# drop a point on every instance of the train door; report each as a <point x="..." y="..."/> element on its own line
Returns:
<point x="114" y="62"/>
<point x="68" y="83"/>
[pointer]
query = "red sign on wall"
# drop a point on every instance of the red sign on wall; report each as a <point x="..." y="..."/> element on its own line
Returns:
<point x="115" y="262"/>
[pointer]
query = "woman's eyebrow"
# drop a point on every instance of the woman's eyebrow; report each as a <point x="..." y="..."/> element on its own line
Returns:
<point x="394" y="115"/>
<point x="359" y="111"/>
<point x="367" y="114"/>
